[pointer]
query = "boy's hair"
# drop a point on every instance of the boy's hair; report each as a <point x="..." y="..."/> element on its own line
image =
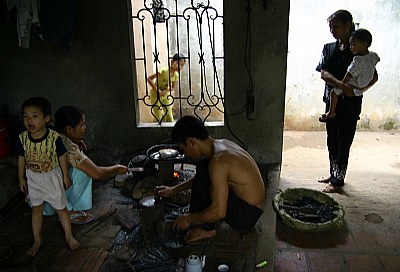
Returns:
<point x="362" y="35"/>
<point x="188" y="126"/>
<point x="343" y="16"/>
<point x="67" y="116"/>
<point x="178" y="57"/>
<point x="42" y="103"/>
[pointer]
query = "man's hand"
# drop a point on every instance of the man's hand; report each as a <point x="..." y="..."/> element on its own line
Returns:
<point x="165" y="191"/>
<point x="182" y="222"/>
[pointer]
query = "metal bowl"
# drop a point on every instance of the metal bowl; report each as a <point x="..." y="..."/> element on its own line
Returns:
<point x="148" y="201"/>
<point x="165" y="152"/>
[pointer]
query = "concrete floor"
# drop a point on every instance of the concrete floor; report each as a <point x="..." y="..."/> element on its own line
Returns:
<point x="102" y="250"/>
<point x="370" y="239"/>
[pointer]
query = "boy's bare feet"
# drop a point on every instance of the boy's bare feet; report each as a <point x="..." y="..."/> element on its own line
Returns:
<point x="197" y="234"/>
<point x="73" y="243"/>
<point x="34" y="249"/>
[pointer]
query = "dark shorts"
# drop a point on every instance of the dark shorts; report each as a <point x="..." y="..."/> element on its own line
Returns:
<point x="240" y="215"/>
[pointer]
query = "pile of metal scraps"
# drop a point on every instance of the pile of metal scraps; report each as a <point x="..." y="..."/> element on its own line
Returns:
<point x="308" y="209"/>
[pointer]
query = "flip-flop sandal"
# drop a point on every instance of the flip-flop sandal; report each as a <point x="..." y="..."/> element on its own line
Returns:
<point x="330" y="189"/>
<point x="81" y="218"/>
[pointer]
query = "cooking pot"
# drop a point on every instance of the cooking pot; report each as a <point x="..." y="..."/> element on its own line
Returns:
<point x="165" y="152"/>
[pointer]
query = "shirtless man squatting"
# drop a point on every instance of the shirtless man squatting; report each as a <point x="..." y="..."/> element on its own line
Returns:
<point x="227" y="186"/>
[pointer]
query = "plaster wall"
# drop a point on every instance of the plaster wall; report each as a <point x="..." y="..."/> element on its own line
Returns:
<point x="309" y="31"/>
<point x="96" y="75"/>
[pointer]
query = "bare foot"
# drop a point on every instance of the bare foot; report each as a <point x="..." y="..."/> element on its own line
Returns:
<point x="73" y="244"/>
<point x="330" y="114"/>
<point x="197" y="234"/>
<point x="325" y="180"/>
<point x="34" y="249"/>
<point x="329" y="188"/>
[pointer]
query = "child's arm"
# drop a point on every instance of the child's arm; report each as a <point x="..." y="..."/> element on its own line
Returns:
<point x="173" y="86"/>
<point x="150" y="80"/>
<point x="64" y="167"/>
<point x="346" y="79"/>
<point x="21" y="174"/>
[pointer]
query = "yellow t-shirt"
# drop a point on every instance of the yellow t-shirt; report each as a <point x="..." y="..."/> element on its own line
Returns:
<point x="41" y="155"/>
<point x="163" y="75"/>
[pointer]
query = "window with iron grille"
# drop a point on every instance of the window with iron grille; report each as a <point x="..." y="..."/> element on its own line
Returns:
<point x="166" y="33"/>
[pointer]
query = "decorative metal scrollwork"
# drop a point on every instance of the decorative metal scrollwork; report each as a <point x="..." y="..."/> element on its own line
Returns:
<point x="195" y="30"/>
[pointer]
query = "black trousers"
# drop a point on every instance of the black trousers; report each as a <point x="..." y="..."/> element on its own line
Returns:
<point x="340" y="135"/>
<point x="339" y="138"/>
<point x="240" y="215"/>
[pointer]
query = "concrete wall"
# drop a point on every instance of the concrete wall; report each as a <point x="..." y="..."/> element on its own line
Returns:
<point x="96" y="75"/>
<point x="308" y="31"/>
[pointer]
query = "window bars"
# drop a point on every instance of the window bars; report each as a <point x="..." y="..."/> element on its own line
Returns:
<point x="193" y="31"/>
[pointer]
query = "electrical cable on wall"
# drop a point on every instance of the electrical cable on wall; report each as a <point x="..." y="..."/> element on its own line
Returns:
<point x="247" y="62"/>
<point x="250" y="94"/>
<point x="241" y="143"/>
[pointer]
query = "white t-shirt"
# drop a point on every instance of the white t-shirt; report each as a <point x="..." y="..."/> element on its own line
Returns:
<point x="362" y="70"/>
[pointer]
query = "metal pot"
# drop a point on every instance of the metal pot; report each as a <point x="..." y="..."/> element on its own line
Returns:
<point x="165" y="152"/>
<point x="166" y="156"/>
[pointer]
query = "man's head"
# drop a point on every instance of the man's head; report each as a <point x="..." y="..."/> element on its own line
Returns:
<point x="186" y="133"/>
<point x="188" y="126"/>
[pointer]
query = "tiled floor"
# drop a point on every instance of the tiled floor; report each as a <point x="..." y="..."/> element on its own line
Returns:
<point x="370" y="239"/>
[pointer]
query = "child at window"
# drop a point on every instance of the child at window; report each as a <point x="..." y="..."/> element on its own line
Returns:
<point x="360" y="71"/>
<point x="40" y="155"/>
<point x="162" y="88"/>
